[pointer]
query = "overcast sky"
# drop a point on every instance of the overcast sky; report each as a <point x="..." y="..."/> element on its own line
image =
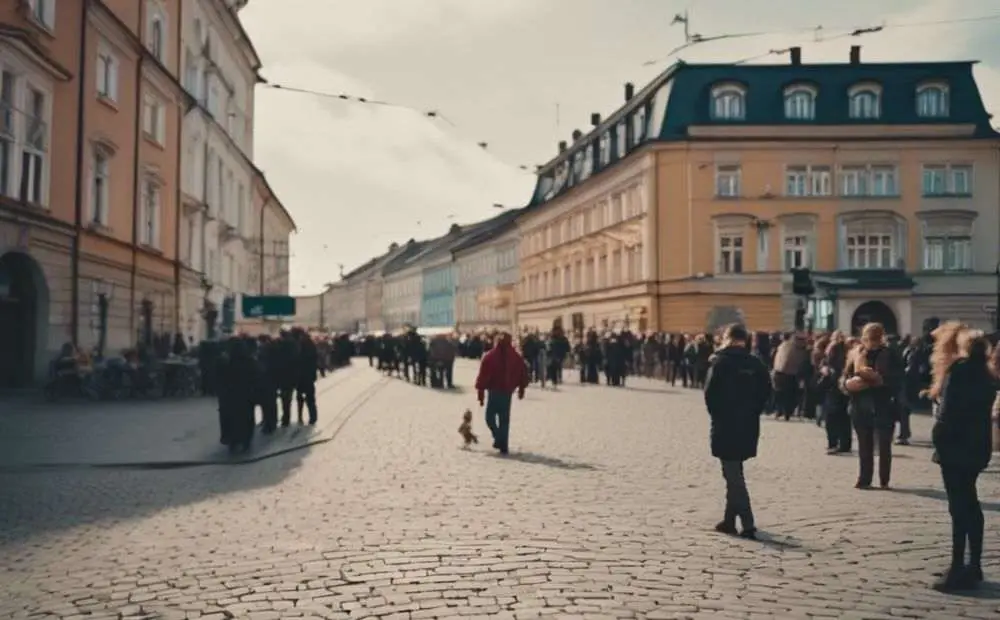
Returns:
<point x="517" y="74"/>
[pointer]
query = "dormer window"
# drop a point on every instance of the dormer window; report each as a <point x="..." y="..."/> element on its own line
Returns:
<point x="621" y="136"/>
<point x="605" y="148"/>
<point x="932" y="101"/>
<point x="800" y="103"/>
<point x="729" y="102"/>
<point x="578" y="166"/>
<point x="865" y="101"/>
<point x="588" y="161"/>
<point x="639" y="126"/>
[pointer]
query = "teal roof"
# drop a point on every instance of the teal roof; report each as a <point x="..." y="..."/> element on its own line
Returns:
<point x="680" y="98"/>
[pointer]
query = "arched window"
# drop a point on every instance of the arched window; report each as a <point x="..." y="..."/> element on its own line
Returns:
<point x="932" y="101"/>
<point x="729" y="102"/>
<point x="800" y="102"/>
<point x="865" y="101"/>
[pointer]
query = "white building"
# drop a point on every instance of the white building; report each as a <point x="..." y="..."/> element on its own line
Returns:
<point x="218" y="232"/>
<point x="402" y="280"/>
<point x="487" y="275"/>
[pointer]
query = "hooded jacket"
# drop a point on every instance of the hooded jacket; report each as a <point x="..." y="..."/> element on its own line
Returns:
<point x="502" y="370"/>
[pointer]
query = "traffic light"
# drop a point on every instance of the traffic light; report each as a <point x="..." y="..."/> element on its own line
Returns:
<point x="802" y="283"/>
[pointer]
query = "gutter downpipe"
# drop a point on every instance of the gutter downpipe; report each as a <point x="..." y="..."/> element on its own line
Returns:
<point x="690" y="215"/>
<point x="179" y="198"/>
<point x="81" y="119"/>
<point x="137" y="197"/>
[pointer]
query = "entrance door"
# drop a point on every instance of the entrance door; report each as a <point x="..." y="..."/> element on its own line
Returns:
<point x="18" y="312"/>
<point x="874" y="312"/>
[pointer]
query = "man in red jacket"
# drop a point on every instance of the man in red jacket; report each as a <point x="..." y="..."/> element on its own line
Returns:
<point x="501" y="373"/>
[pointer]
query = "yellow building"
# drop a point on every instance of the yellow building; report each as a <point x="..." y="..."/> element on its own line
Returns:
<point x="689" y="206"/>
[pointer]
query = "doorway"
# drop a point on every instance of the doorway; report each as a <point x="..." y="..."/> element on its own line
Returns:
<point x="874" y="312"/>
<point x="23" y="319"/>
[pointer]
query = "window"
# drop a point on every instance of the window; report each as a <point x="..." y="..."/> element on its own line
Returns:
<point x="107" y="74"/>
<point x="932" y="101"/>
<point x="621" y="136"/>
<point x="865" y="102"/>
<point x="884" y="181"/>
<point x="870" y="250"/>
<point x="153" y="119"/>
<point x="796" y="251"/>
<point x="43" y="12"/>
<point x="731" y="253"/>
<point x="807" y="181"/>
<point x="7" y="137"/>
<point x="947" y="180"/>
<point x="727" y="181"/>
<point x="149" y="214"/>
<point x="639" y="126"/>
<point x="578" y="166"/>
<point x="605" y="148"/>
<point x="947" y="253"/>
<point x="800" y="103"/>
<point x="192" y="78"/>
<point x="156" y="31"/>
<point x="35" y="143"/>
<point x="728" y="103"/>
<point x="100" y="187"/>
<point x="588" y="162"/>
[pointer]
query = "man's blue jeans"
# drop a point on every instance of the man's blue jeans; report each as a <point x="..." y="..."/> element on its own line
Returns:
<point x="498" y="418"/>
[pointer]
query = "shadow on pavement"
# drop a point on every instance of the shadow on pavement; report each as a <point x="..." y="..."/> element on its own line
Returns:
<point x="987" y="591"/>
<point x="539" y="459"/>
<point x="941" y="496"/>
<point x="648" y="390"/>
<point x="44" y="501"/>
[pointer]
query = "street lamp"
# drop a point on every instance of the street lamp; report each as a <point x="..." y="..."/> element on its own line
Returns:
<point x="208" y="311"/>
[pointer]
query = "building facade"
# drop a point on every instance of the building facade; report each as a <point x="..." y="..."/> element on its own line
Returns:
<point x="880" y="178"/>
<point x="220" y="233"/>
<point x="402" y="279"/>
<point x="486" y="268"/>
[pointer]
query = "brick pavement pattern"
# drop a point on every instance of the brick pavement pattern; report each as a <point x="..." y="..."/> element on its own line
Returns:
<point x="603" y="510"/>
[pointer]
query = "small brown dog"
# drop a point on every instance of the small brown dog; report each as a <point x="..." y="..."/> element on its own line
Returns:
<point x="465" y="430"/>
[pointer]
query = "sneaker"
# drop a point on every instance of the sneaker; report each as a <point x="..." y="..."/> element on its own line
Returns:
<point x="749" y="534"/>
<point x="724" y="527"/>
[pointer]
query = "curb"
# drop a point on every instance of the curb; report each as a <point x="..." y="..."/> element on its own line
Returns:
<point x="329" y="433"/>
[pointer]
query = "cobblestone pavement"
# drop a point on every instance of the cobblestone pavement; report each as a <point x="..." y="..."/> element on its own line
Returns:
<point x="603" y="510"/>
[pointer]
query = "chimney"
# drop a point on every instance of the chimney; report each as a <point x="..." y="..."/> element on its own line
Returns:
<point x="577" y="134"/>
<point x="629" y="91"/>
<point x="393" y="246"/>
<point x="855" y="54"/>
<point x="455" y="229"/>
<point x="595" y="119"/>
<point x="562" y="146"/>
<point x="796" y="54"/>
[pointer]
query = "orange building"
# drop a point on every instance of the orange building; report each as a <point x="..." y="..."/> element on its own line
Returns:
<point x="689" y="206"/>
<point x="90" y="106"/>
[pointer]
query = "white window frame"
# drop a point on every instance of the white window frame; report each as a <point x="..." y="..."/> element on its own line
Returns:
<point x="858" y="247"/>
<point x="37" y="148"/>
<point x="154" y="119"/>
<point x="865" y="102"/>
<point x="605" y="148"/>
<point x="621" y="139"/>
<point x="947" y="243"/>
<point x="156" y="14"/>
<point x="107" y="73"/>
<point x="150" y="212"/>
<point x="884" y="181"/>
<point x="639" y="121"/>
<point x="43" y="13"/>
<point x="800" y="102"/>
<point x="796" y="249"/>
<point x="728" y="180"/>
<point x="730" y="252"/>
<point x="728" y="102"/>
<point x="933" y="100"/>
<point x="949" y="184"/>
<point x="808" y="181"/>
<point x="100" y="171"/>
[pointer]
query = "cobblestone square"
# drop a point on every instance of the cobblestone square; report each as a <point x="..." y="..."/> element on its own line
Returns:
<point x="604" y="509"/>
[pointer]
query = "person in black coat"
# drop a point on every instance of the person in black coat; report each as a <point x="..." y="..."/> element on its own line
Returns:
<point x="237" y="380"/>
<point x="962" y="438"/>
<point x="737" y="388"/>
<point x="307" y="367"/>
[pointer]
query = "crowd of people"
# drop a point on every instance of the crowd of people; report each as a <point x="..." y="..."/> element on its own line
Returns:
<point x="869" y="385"/>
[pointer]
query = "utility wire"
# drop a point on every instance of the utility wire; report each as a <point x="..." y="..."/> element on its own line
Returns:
<point x="818" y="31"/>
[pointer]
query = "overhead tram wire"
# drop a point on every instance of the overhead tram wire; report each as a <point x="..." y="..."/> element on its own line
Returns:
<point x="693" y="39"/>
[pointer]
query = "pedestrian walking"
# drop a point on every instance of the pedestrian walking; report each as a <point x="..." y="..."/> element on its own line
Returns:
<point x="737" y="389"/>
<point x="962" y="438"/>
<point x="501" y="373"/>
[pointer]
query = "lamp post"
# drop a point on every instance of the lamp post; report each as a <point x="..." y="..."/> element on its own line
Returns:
<point x="208" y="311"/>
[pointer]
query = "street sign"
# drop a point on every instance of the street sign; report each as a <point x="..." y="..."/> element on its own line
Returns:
<point x="255" y="307"/>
